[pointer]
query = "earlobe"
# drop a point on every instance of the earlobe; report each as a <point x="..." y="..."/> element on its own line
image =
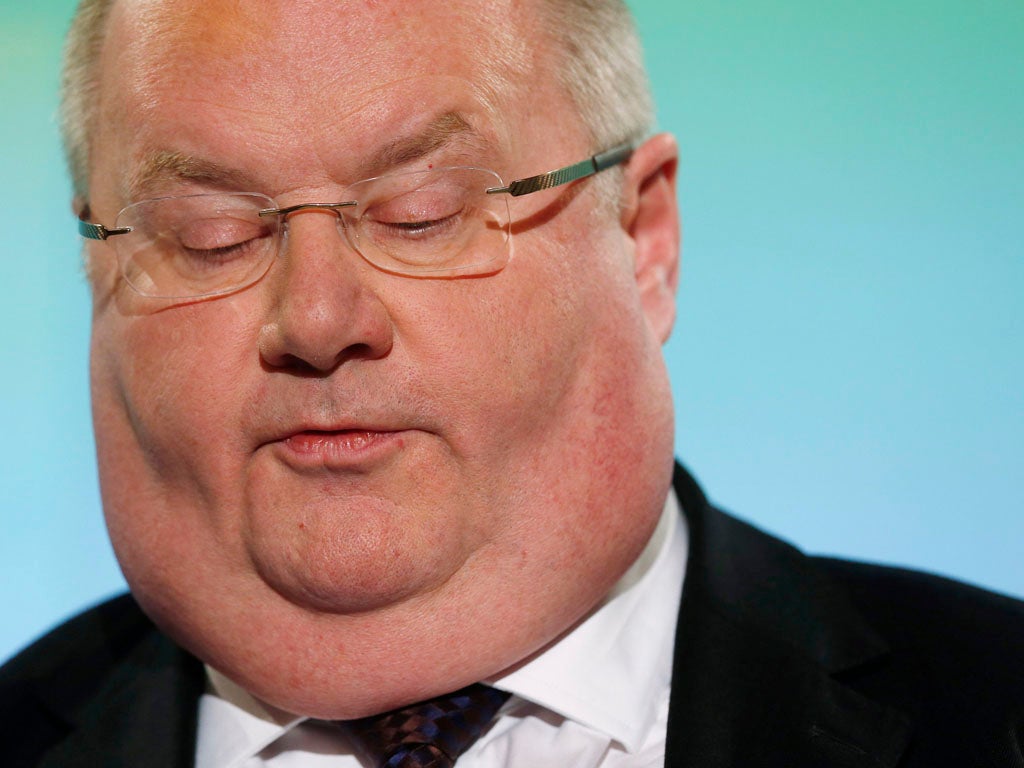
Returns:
<point x="650" y="218"/>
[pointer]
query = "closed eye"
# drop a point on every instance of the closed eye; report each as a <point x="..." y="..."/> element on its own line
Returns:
<point x="421" y="227"/>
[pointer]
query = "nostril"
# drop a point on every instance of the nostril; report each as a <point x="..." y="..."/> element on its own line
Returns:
<point x="292" y="364"/>
<point x="313" y="367"/>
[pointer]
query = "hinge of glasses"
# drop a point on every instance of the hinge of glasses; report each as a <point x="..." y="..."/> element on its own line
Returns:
<point x="98" y="231"/>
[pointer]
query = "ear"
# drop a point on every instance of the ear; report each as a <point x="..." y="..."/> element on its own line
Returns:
<point x="650" y="218"/>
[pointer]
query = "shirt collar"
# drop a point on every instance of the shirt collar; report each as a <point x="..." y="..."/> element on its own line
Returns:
<point x="611" y="670"/>
<point x="234" y="725"/>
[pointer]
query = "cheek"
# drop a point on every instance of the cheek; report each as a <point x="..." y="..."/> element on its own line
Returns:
<point x="538" y="362"/>
<point x="172" y="385"/>
<point x="502" y="359"/>
<point x="565" y="318"/>
<point x="157" y="423"/>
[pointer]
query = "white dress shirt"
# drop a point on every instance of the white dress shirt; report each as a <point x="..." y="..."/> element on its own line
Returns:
<point x="596" y="698"/>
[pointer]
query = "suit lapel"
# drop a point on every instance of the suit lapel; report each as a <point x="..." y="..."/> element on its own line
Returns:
<point x="144" y="716"/>
<point x="762" y="637"/>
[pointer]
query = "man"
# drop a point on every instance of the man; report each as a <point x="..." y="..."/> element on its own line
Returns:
<point x="376" y="423"/>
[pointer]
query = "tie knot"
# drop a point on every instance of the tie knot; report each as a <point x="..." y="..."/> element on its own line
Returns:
<point x="430" y="734"/>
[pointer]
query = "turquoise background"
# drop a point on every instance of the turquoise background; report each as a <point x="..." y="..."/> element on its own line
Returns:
<point x="848" y="358"/>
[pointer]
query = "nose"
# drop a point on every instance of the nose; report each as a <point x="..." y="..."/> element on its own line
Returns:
<point x="323" y="310"/>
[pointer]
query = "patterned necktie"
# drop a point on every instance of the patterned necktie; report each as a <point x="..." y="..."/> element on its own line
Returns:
<point x="430" y="734"/>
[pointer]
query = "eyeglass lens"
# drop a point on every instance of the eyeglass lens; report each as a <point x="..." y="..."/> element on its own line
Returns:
<point x="432" y="223"/>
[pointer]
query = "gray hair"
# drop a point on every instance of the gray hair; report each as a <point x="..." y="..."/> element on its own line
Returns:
<point x="80" y="87"/>
<point x="601" y="68"/>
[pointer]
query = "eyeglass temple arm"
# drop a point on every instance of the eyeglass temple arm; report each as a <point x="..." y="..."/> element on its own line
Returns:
<point x="98" y="231"/>
<point x="589" y="167"/>
<point x="517" y="188"/>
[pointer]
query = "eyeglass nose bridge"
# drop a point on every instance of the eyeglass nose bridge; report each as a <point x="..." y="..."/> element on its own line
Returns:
<point x="284" y="212"/>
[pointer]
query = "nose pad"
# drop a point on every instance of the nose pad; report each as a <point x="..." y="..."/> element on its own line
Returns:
<point x="346" y="227"/>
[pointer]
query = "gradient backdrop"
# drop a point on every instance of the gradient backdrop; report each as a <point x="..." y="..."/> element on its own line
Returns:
<point x="848" y="361"/>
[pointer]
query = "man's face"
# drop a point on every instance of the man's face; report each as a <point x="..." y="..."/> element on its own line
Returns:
<point x="343" y="488"/>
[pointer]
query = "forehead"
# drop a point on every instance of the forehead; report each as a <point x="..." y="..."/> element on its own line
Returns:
<point x="296" y="34"/>
<point x="298" y="75"/>
<point x="307" y="53"/>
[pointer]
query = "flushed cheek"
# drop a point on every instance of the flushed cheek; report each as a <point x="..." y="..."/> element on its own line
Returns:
<point x="508" y="361"/>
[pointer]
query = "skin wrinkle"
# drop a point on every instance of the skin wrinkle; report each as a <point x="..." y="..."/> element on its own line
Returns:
<point x="166" y="169"/>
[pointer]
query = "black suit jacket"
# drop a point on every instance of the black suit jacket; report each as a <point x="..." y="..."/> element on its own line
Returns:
<point x="781" y="660"/>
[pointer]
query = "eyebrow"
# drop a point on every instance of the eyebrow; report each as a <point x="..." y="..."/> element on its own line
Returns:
<point x="169" y="166"/>
<point x="172" y="166"/>
<point x="443" y="130"/>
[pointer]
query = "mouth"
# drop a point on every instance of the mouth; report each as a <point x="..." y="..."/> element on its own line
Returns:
<point x="339" y="448"/>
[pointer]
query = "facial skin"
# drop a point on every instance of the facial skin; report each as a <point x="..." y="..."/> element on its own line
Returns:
<point x="346" y="489"/>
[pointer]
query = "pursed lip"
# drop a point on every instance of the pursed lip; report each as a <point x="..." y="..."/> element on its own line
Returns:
<point x="337" y="447"/>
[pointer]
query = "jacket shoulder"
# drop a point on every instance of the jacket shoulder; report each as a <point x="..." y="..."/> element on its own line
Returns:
<point x="955" y="662"/>
<point x="918" y="611"/>
<point x="93" y="639"/>
<point x="44" y="686"/>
